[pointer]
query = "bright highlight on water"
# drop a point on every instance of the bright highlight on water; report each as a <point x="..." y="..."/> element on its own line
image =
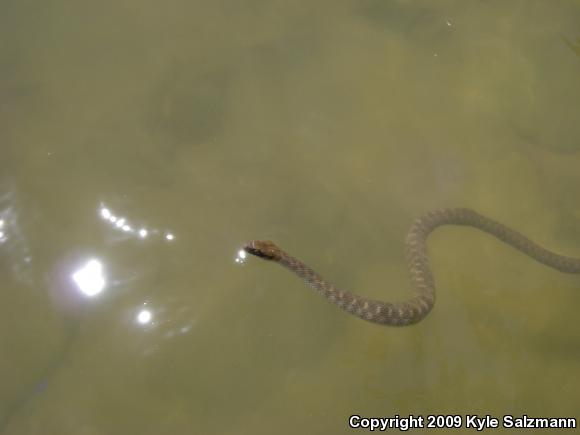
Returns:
<point x="90" y="278"/>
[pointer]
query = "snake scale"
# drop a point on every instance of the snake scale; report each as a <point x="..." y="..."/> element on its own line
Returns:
<point x="423" y="284"/>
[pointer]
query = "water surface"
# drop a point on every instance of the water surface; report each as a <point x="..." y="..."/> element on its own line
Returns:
<point x="156" y="139"/>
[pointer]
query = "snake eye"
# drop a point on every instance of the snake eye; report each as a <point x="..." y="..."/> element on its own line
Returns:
<point x="250" y="249"/>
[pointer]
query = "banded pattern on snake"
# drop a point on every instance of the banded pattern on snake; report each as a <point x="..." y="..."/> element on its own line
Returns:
<point x="420" y="304"/>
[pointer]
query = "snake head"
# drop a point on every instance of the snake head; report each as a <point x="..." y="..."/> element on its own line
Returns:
<point x="264" y="249"/>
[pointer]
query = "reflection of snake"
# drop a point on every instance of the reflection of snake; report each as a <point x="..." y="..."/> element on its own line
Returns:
<point x="416" y="308"/>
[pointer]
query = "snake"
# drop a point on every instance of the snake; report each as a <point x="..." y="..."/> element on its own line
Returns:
<point x="420" y="304"/>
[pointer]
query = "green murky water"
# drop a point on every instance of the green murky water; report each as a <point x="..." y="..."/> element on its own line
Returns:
<point x="156" y="138"/>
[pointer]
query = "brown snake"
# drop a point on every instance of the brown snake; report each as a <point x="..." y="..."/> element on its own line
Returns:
<point x="420" y="304"/>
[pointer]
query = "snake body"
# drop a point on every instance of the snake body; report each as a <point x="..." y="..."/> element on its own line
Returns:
<point x="423" y="284"/>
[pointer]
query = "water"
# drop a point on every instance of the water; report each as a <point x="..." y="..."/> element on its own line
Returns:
<point x="325" y="126"/>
